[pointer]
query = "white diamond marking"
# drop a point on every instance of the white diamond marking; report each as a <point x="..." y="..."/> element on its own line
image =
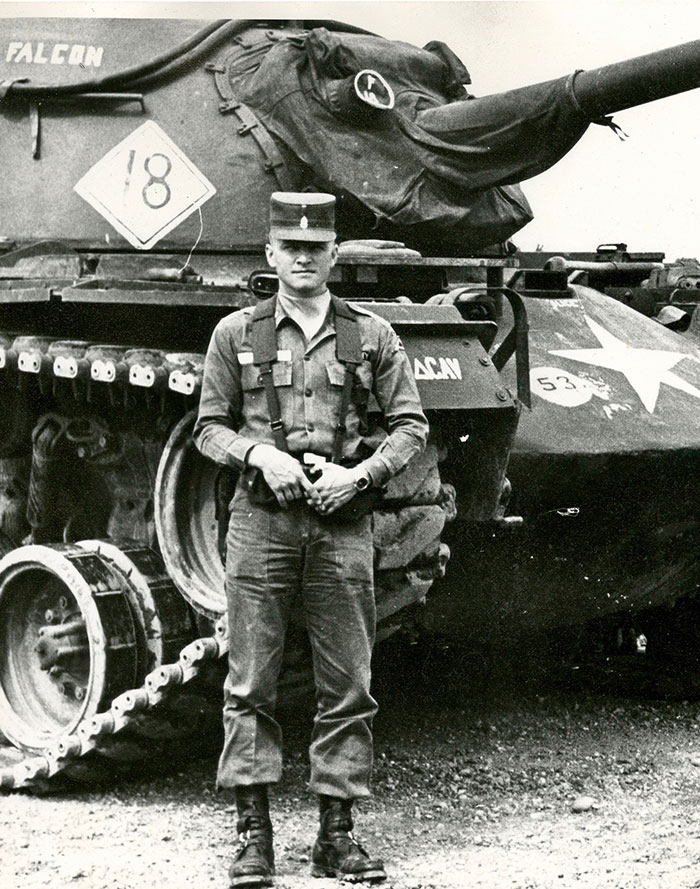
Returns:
<point x="145" y="186"/>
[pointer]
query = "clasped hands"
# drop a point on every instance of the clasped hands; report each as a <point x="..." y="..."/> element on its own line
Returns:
<point x="287" y="481"/>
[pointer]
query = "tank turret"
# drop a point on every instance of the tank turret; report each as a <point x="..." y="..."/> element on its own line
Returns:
<point x="422" y="161"/>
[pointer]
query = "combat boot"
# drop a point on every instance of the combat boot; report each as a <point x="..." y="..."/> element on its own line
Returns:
<point x="336" y="852"/>
<point x="254" y="862"/>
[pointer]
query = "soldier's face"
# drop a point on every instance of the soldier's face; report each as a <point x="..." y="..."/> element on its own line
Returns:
<point x="303" y="267"/>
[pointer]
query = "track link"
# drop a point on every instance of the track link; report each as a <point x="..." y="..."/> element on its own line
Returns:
<point x="78" y="361"/>
<point x="126" y="710"/>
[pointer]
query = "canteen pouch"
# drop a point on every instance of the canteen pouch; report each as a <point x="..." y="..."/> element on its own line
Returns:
<point x="362" y="504"/>
<point x="259" y="492"/>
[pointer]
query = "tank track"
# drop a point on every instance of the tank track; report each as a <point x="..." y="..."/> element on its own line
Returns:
<point x="126" y="710"/>
<point x="78" y="386"/>
<point x="80" y="361"/>
<point x="45" y="370"/>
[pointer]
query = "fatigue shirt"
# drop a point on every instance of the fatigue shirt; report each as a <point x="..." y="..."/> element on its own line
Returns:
<point x="233" y="413"/>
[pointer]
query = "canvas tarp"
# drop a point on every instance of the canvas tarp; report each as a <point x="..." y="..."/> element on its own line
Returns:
<point x="440" y="160"/>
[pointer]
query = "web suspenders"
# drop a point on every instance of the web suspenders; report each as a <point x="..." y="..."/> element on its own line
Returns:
<point x="263" y="338"/>
<point x="348" y="350"/>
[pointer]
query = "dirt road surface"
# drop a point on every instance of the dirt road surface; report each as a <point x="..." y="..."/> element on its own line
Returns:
<point x="479" y="765"/>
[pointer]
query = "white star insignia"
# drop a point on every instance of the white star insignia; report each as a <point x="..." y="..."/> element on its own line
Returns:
<point x="645" y="369"/>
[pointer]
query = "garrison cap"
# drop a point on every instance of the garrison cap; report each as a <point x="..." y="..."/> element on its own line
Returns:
<point x="302" y="216"/>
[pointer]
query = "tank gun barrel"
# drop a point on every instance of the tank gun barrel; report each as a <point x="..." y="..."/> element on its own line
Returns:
<point x="560" y="264"/>
<point x="636" y="81"/>
<point x="517" y="134"/>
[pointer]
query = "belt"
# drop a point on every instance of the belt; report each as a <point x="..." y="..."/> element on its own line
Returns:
<point x="307" y="458"/>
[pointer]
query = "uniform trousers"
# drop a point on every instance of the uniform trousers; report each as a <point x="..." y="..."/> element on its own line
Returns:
<point x="274" y="558"/>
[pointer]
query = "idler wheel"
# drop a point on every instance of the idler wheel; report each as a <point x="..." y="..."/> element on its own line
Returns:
<point x="186" y="525"/>
<point x="68" y="642"/>
<point x="162" y="616"/>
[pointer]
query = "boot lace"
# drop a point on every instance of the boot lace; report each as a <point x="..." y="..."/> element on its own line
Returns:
<point x="243" y="843"/>
<point x="351" y="841"/>
<point x="355" y="842"/>
<point x="246" y="839"/>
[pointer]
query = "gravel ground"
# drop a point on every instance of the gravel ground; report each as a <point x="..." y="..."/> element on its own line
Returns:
<point x="479" y="765"/>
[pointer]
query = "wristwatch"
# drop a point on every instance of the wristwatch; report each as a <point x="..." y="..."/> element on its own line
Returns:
<point x="363" y="482"/>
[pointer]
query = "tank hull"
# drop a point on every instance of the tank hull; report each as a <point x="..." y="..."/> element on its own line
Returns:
<point x="605" y="471"/>
<point x="616" y="555"/>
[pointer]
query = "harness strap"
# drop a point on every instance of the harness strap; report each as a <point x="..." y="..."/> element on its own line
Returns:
<point x="341" y="427"/>
<point x="263" y="338"/>
<point x="348" y="350"/>
<point x="263" y="334"/>
<point x="348" y="345"/>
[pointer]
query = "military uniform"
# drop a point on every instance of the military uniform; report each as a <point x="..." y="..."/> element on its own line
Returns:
<point x="276" y="554"/>
<point x="262" y="577"/>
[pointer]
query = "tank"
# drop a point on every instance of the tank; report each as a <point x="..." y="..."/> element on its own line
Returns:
<point x="139" y="160"/>
<point x="669" y="292"/>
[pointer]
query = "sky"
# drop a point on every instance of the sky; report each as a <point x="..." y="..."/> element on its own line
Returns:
<point x="644" y="191"/>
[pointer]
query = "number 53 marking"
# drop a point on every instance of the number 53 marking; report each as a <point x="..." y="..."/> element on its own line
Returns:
<point x="558" y="386"/>
<point x="560" y="382"/>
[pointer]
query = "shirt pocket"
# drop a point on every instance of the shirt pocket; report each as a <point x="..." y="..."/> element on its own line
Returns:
<point x="282" y="373"/>
<point x="336" y="373"/>
<point x="281" y="376"/>
<point x="361" y="384"/>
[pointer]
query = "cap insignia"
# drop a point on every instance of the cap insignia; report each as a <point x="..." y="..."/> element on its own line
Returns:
<point x="303" y="222"/>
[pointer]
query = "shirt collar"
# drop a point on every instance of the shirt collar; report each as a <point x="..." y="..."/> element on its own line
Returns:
<point x="281" y="315"/>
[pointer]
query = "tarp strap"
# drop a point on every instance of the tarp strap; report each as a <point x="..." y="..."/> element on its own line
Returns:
<point x="6" y="85"/>
<point x="249" y="123"/>
<point x="616" y="128"/>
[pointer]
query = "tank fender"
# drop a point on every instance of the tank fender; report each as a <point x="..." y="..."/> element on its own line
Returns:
<point x="448" y="357"/>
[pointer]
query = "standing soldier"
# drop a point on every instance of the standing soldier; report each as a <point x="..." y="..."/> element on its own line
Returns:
<point x="284" y="401"/>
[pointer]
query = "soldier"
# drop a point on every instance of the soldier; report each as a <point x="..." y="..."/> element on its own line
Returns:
<point x="284" y="401"/>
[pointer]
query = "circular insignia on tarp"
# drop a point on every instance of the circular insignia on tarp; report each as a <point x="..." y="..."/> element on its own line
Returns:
<point x="372" y="89"/>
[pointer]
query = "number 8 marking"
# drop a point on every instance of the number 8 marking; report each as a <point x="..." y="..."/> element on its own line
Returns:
<point x="156" y="181"/>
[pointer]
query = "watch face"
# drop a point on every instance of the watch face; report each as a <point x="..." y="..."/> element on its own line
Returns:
<point x="362" y="483"/>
